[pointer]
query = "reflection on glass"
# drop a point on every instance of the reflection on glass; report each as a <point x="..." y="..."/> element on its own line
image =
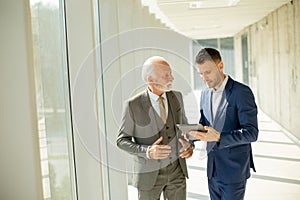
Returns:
<point x="52" y="96"/>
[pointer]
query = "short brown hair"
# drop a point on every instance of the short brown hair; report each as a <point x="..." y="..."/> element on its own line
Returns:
<point x="208" y="54"/>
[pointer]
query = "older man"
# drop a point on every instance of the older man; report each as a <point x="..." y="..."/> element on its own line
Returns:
<point x="148" y="131"/>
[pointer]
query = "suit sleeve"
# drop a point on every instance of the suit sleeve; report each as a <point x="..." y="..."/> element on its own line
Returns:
<point x="125" y="139"/>
<point x="247" y="126"/>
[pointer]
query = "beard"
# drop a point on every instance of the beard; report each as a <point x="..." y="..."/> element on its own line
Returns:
<point x="164" y="87"/>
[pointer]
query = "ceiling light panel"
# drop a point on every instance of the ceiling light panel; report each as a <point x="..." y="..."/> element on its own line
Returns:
<point x="212" y="4"/>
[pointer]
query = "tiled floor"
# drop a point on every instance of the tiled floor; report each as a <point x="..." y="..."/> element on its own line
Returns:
<point x="276" y="157"/>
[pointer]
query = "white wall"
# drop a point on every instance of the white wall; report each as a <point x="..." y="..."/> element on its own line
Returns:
<point x="274" y="54"/>
<point x="20" y="173"/>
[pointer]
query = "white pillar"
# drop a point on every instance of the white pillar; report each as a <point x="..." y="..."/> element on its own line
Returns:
<point x="19" y="152"/>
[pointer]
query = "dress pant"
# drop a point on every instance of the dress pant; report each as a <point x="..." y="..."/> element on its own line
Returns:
<point x="221" y="191"/>
<point x="170" y="182"/>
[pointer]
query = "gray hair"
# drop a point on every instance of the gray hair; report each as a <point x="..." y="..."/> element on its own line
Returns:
<point x="148" y="66"/>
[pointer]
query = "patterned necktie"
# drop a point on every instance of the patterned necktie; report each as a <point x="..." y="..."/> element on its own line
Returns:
<point x="162" y="109"/>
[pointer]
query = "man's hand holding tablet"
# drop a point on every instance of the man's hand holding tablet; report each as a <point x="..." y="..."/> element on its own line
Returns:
<point x="211" y="134"/>
<point x="188" y="128"/>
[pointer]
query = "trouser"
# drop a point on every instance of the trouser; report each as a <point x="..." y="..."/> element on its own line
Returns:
<point x="221" y="191"/>
<point x="170" y="182"/>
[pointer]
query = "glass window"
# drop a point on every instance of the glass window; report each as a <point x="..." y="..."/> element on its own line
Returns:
<point x="52" y="95"/>
<point x="227" y="53"/>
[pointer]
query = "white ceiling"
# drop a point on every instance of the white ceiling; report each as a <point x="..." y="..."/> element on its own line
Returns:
<point x="213" y="22"/>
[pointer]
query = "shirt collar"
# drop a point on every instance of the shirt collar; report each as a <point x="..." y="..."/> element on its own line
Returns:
<point x="222" y="87"/>
<point x="155" y="97"/>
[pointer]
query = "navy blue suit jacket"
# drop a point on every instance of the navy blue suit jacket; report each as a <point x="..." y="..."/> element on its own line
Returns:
<point x="230" y="159"/>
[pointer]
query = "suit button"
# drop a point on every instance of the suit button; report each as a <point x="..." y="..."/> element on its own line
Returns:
<point x="167" y="127"/>
<point x="169" y="137"/>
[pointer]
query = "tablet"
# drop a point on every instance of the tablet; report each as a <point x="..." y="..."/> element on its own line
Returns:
<point x="185" y="128"/>
<point x="191" y="127"/>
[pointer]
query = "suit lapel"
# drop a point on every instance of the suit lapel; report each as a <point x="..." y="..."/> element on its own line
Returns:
<point x="221" y="108"/>
<point x="209" y="94"/>
<point x="224" y="101"/>
<point x="205" y="104"/>
<point x="145" y="102"/>
<point x="171" y="101"/>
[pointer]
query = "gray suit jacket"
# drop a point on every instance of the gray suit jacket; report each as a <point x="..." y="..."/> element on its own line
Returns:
<point x="140" y="128"/>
